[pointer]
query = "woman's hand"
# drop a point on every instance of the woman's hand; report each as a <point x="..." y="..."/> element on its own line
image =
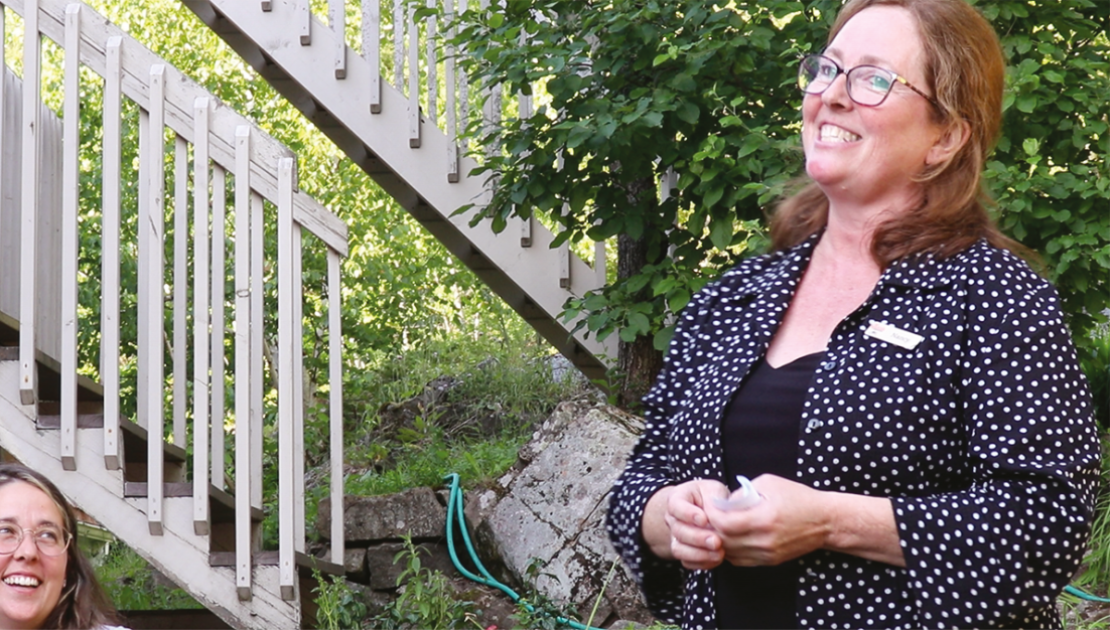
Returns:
<point x="794" y="519"/>
<point x="790" y="521"/>
<point x="676" y="526"/>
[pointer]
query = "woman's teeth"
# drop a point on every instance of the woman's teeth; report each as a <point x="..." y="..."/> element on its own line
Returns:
<point x="21" y="580"/>
<point x="832" y="133"/>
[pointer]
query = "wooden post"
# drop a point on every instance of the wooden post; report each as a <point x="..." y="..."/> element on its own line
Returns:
<point x="110" y="253"/>
<point x="180" y="287"/>
<point x="201" y="342"/>
<point x="372" y="50"/>
<point x="335" y="405"/>
<point x="243" y="371"/>
<point x="32" y="45"/>
<point x="71" y="242"/>
<point x="219" y="274"/>
<point x="152" y="258"/>
<point x="337" y="19"/>
<point x="289" y="290"/>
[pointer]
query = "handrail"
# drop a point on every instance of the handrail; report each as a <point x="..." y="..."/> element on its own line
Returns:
<point x="264" y="176"/>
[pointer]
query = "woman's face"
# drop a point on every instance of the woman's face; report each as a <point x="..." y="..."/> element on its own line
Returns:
<point x="30" y="582"/>
<point x="864" y="154"/>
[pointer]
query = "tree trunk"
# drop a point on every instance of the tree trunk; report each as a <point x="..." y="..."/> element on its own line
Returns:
<point x="638" y="362"/>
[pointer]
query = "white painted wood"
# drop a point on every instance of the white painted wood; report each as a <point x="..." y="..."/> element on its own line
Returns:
<point x="70" y="240"/>
<point x="414" y="79"/>
<point x="153" y="258"/>
<point x="243" y="372"/>
<point x="335" y="405"/>
<point x="527" y="281"/>
<point x="298" y="398"/>
<point x="219" y="275"/>
<point x="289" y="290"/>
<point x="526" y="231"/>
<point x="398" y="45"/>
<point x="180" y="286"/>
<point x="600" y="262"/>
<point x="201" y="318"/>
<point x="257" y="230"/>
<point x="179" y="554"/>
<point x="180" y="94"/>
<point x="372" y="50"/>
<point x="110" y="255"/>
<point x="32" y="44"/>
<point x="450" y="80"/>
<point x="431" y="64"/>
<point x="337" y="19"/>
<point x="143" y="349"/>
<point x="304" y="11"/>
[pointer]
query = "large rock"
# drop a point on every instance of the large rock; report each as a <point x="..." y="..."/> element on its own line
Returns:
<point x="416" y="513"/>
<point x="551" y="508"/>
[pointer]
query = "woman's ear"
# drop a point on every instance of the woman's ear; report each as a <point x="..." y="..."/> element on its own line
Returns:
<point x="949" y="143"/>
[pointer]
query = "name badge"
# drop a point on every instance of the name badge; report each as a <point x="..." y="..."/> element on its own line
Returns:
<point x="891" y="334"/>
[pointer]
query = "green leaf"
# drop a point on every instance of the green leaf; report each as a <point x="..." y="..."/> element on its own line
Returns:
<point x="1027" y="103"/>
<point x="662" y="339"/>
<point x="721" y="232"/>
<point x="1031" y="146"/>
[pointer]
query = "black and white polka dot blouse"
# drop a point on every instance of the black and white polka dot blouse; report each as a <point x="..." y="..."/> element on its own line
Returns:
<point x="981" y="434"/>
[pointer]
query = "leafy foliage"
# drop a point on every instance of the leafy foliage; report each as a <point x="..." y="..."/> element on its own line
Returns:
<point x="426" y="599"/>
<point x="631" y="89"/>
<point x="338" y="605"/>
<point x="129" y="582"/>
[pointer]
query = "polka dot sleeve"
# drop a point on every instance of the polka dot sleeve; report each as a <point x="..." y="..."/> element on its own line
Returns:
<point x="998" y="552"/>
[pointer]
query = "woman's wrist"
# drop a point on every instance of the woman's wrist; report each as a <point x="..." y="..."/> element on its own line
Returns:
<point x="654" y="527"/>
<point x="862" y="526"/>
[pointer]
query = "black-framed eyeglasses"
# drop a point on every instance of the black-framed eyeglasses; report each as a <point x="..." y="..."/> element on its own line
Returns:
<point x="867" y="85"/>
<point x="50" y="539"/>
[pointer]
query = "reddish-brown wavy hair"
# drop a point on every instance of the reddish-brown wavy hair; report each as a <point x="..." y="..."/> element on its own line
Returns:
<point x="965" y="71"/>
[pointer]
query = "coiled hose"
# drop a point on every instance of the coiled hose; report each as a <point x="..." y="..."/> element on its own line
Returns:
<point x="455" y="510"/>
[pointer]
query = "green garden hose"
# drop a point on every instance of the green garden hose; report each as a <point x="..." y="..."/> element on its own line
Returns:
<point x="455" y="505"/>
<point x="1071" y="590"/>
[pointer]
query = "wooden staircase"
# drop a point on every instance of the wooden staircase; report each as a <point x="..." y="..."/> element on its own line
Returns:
<point x="407" y="141"/>
<point x="181" y="346"/>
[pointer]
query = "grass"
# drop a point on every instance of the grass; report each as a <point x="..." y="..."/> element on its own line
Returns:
<point x="129" y="582"/>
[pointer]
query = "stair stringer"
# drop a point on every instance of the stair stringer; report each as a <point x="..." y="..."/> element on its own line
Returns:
<point x="179" y="553"/>
<point x="525" y="277"/>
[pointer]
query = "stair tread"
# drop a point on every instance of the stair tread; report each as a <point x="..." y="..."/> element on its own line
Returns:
<point x="223" y="502"/>
<point x="270" y="558"/>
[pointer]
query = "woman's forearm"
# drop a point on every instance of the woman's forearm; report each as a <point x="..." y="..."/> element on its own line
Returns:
<point x="863" y="526"/>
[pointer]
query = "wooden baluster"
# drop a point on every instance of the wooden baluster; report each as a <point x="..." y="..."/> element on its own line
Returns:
<point x="414" y="79"/>
<point x="335" y="405"/>
<point x="152" y="258"/>
<point x="257" y="231"/>
<point x="298" y="399"/>
<point x="452" y="89"/>
<point x="337" y="19"/>
<point x="243" y="371"/>
<point x="219" y="281"/>
<point x="71" y="242"/>
<point x="32" y="45"/>
<point x="432" y="80"/>
<point x="372" y="50"/>
<point x="289" y="290"/>
<point x="399" y="45"/>
<point x="110" y="253"/>
<point x="304" y="18"/>
<point x="201" y="317"/>
<point x="180" y="287"/>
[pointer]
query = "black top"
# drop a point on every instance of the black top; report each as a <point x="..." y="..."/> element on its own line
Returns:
<point x="759" y="431"/>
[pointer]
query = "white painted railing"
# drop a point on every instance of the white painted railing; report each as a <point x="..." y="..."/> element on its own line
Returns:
<point x="263" y="184"/>
<point x="415" y="69"/>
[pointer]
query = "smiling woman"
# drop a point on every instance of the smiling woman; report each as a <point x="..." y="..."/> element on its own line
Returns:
<point x="45" y="581"/>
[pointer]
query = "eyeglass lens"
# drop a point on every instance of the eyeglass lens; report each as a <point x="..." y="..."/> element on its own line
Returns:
<point x="867" y="85"/>
<point x="50" y="540"/>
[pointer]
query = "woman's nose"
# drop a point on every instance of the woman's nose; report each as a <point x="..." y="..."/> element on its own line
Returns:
<point x="836" y="95"/>
<point x="27" y="548"/>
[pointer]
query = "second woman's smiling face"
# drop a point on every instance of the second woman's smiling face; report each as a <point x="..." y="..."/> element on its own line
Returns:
<point x="869" y="155"/>
<point x="30" y="582"/>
